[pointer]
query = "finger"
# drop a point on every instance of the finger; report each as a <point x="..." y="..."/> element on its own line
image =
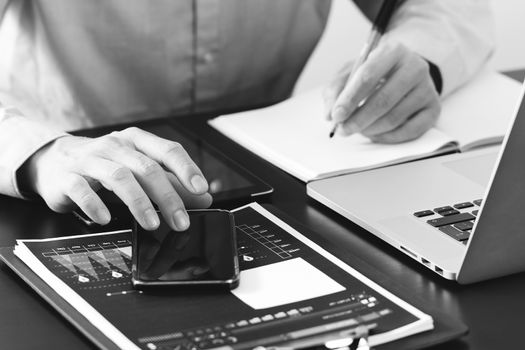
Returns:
<point x="94" y="184"/>
<point x="412" y="129"/>
<point x="420" y="97"/>
<point x="119" y="179"/>
<point x="401" y="81"/>
<point x="171" y="155"/>
<point x="363" y="83"/>
<point x="79" y="191"/>
<point x="152" y="177"/>
<point x="194" y="201"/>
<point x="331" y="92"/>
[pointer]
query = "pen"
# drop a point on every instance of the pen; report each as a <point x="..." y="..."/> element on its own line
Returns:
<point x="378" y="29"/>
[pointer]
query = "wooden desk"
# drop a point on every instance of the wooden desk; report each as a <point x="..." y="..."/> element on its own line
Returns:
<point x="493" y="310"/>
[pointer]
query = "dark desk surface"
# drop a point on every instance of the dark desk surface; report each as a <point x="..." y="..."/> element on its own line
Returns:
<point x="493" y="310"/>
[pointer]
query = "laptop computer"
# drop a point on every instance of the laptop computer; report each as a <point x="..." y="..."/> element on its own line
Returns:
<point x="460" y="215"/>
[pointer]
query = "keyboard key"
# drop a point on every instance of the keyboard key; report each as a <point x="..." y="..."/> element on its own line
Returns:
<point x="464" y="226"/>
<point x="452" y="219"/>
<point x="423" y="213"/>
<point x="448" y="212"/>
<point x="475" y="212"/>
<point x="463" y="205"/>
<point x="458" y="235"/>
<point x="204" y="344"/>
<point x="445" y="208"/>
<point x="477" y="202"/>
<point x="231" y="340"/>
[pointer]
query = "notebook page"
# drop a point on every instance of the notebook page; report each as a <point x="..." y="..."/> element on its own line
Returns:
<point x="293" y="135"/>
<point x="479" y="113"/>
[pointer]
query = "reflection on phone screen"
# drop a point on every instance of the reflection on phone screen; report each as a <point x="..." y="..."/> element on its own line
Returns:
<point x="204" y="252"/>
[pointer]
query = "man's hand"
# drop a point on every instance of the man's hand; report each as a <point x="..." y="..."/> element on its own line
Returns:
<point x="390" y="99"/>
<point x="137" y="165"/>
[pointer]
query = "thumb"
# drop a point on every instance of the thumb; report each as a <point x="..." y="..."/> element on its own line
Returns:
<point x="333" y="89"/>
<point x="330" y="94"/>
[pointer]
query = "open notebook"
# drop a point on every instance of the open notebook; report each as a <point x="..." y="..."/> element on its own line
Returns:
<point x="293" y="135"/>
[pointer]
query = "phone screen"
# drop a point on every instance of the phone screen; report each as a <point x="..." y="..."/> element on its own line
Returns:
<point x="205" y="253"/>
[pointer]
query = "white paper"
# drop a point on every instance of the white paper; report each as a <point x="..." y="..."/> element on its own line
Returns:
<point x="283" y="283"/>
<point x="424" y="322"/>
<point x="294" y="136"/>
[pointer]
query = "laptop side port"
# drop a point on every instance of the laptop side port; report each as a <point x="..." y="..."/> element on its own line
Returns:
<point x="448" y="275"/>
<point x="409" y="252"/>
<point x="425" y="262"/>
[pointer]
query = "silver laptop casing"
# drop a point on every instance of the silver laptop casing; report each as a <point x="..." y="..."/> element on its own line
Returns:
<point x="383" y="202"/>
<point x="497" y="247"/>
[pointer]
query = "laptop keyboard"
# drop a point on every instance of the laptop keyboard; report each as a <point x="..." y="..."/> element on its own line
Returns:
<point x="455" y="220"/>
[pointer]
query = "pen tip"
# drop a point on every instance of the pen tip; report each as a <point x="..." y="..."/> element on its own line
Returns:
<point x="332" y="134"/>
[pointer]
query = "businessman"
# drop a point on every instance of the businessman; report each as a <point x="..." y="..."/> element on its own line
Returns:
<point x="71" y="64"/>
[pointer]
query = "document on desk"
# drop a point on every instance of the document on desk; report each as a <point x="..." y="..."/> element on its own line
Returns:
<point x="291" y="290"/>
<point x="293" y="135"/>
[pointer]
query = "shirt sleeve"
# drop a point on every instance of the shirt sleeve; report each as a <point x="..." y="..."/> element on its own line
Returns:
<point x="456" y="35"/>
<point x="3" y="5"/>
<point x="19" y="139"/>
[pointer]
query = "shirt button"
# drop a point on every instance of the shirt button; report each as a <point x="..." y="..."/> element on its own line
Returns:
<point x="208" y="57"/>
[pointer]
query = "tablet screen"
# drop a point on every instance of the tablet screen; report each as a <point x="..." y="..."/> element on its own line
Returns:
<point x="227" y="180"/>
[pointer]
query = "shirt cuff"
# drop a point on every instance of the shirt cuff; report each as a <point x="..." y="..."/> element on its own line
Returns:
<point x="20" y="138"/>
<point x="451" y="69"/>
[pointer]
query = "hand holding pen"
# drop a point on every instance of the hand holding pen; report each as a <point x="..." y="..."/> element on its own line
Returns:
<point x="389" y="95"/>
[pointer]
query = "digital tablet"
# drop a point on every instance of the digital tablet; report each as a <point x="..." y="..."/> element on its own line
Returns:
<point x="229" y="182"/>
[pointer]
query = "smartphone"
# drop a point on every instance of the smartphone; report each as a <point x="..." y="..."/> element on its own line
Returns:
<point x="203" y="255"/>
